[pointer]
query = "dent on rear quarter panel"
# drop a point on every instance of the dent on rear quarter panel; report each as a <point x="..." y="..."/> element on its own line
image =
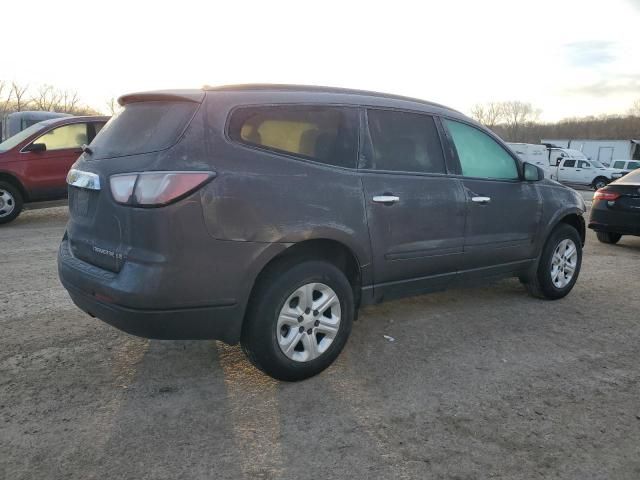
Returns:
<point x="285" y="203"/>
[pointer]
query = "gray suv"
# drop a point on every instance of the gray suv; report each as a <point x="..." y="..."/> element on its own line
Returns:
<point x="269" y="214"/>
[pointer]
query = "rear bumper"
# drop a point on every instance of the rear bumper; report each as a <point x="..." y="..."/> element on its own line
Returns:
<point x="215" y="322"/>
<point x="155" y="301"/>
<point x="603" y="219"/>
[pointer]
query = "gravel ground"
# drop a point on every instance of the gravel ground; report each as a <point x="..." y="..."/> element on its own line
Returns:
<point x="479" y="383"/>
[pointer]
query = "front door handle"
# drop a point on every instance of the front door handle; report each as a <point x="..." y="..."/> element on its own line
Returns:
<point x="481" y="200"/>
<point x="386" y="199"/>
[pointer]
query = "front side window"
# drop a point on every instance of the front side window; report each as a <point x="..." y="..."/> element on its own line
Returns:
<point x="570" y="163"/>
<point x="618" y="164"/>
<point x="406" y="142"/>
<point x="67" y="136"/>
<point x="324" y="134"/>
<point x="480" y="155"/>
<point x="583" y="164"/>
<point x="633" y="165"/>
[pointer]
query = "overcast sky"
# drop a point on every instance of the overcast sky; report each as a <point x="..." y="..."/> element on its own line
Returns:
<point x="569" y="58"/>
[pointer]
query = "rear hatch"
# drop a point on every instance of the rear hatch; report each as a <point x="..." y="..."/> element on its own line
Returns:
<point x="147" y="135"/>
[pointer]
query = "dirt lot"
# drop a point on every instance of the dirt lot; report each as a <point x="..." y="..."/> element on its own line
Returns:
<point x="479" y="383"/>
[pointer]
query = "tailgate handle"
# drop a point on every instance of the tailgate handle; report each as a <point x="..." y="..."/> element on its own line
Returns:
<point x="82" y="179"/>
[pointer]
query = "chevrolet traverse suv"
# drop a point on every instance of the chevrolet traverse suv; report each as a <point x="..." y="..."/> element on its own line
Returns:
<point x="268" y="214"/>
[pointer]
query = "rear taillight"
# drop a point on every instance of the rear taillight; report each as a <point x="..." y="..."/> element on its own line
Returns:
<point x="154" y="189"/>
<point x="605" y="195"/>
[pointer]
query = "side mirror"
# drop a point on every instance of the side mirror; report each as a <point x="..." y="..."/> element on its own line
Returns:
<point x="533" y="173"/>
<point x="35" y="147"/>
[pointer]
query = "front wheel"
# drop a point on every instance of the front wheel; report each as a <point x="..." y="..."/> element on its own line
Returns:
<point x="608" y="237"/>
<point x="600" y="182"/>
<point x="10" y="202"/>
<point x="559" y="264"/>
<point x="298" y="320"/>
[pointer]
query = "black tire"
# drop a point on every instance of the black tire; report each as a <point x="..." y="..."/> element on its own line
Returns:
<point x="7" y="189"/>
<point x="541" y="285"/>
<point x="608" y="237"/>
<point x="600" y="182"/>
<point x="259" y="337"/>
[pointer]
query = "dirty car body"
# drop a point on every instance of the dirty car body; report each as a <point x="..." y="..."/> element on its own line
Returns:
<point x="194" y="267"/>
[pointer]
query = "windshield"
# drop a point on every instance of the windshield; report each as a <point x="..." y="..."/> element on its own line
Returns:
<point x="143" y="127"/>
<point x="596" y="164"/>
<point x="19" y="137"/>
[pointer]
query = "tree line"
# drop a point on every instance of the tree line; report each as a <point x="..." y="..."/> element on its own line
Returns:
<point x="15" y="97"/>
<point x="516" y="121"/>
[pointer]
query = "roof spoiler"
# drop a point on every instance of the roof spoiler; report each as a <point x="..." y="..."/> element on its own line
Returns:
<point x="195" y="96"/>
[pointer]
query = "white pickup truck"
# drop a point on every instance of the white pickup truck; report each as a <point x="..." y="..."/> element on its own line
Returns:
<point x="584" y="172"/>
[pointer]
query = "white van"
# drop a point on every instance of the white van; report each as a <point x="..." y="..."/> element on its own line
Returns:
<point x="536" y="154"/>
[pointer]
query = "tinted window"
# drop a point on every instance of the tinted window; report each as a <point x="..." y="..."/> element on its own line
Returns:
<point x="633" y="165"/>
<point x="405" y="142"/>
<point x="618" y="164"/>
<point x="68" y="136"/>
<point x="325" y="134"/>
<point x="480" y="155"/>
<point x="583" y="164"/>
<point x="143" y="127"/>
<point x="570" y="163"/>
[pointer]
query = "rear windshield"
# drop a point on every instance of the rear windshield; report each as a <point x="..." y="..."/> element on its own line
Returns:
<point x="143" y="127"/>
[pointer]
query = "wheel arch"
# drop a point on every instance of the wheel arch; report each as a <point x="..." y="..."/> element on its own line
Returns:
<point x="573" y="217"/>
<point x="15" y="181"/>
<point x="330" y="250"/>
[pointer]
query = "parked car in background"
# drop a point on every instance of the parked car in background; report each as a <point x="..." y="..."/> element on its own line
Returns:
<point x="15" y="122"/>
<point x="34" y="163"/>
<point x="625" y="166"/>
<point x="603" y="151"/>
<point x="584" y="172"/>
<point x="616" y="209"/>
<point x="268" y="214"/>
<point x="556" y="155"/>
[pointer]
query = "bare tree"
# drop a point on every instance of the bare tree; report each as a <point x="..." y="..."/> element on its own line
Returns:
<point x="489" y="114"/>
<point x="69" y="101"/>
<point x="46" y="98"/>
<point x="19" y="92"/>
<point x="112" y="106"/>
<point x="5" y="101"/>
<point x="635" y="108"/>
<point x="516" y="116"/>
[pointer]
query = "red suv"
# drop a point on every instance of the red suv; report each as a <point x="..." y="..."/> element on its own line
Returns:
<point x="34" y="162"/>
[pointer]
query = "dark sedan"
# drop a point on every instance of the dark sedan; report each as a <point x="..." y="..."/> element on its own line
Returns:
<point x="616" y="209"/>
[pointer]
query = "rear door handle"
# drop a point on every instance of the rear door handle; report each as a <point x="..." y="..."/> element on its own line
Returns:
<point x="481" y="200"/>
<point x="386" y="199"/>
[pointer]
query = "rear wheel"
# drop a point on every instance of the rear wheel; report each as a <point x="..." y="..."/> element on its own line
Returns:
<point x="608" y="237"/>
<point x="600" y="182"/>
<point x="559" y="264"/>
<point x="10" y="202"/>
<point x="298" y="320"/>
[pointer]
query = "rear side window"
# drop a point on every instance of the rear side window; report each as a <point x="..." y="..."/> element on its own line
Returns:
<point x="480" y="155"/>
<point x="324" y="134"/>
<point x="406" y="142"/>
<point x="570" y="163"/>
<point x="143" y="127"/>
